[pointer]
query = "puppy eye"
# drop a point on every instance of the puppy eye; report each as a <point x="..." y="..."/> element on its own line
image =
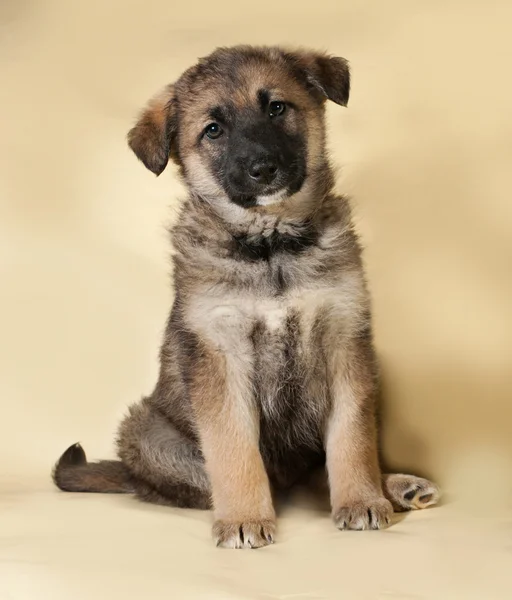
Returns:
<point x="276" y="108"/>
<point x="213" y="131"/>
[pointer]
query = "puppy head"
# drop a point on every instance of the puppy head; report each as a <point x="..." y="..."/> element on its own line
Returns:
<point x="245" y="124"/>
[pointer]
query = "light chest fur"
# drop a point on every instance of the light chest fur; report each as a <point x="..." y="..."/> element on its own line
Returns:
<point x="278" y="338"/>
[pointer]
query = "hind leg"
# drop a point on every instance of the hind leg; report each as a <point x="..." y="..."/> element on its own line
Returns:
<point x="168" y="468"/>
<point x="407" y="492"/>
<point x="179" y="495"/>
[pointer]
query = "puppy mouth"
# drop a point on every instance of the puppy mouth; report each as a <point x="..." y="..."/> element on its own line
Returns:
<point x="244" y="187"/>
<point x="271" y="195"/>
<point x="273" y="198"/>
<point x="268" y="195"/>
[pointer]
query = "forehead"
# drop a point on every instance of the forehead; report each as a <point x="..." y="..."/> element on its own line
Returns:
<point x="240" y="80"/>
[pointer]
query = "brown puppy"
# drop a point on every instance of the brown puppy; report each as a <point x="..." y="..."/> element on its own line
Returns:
<point x="267" y="365"/>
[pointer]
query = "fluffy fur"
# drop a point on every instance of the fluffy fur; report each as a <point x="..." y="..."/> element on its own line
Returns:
<point x="267" y="365"/>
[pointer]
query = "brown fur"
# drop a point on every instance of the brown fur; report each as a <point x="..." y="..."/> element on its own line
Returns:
<point x="267" y="365"/>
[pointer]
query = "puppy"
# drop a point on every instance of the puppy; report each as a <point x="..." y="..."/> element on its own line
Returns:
<point x="267" y="364"/>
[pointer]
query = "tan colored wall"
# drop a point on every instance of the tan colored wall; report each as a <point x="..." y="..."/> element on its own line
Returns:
<point x="426" y="141"/>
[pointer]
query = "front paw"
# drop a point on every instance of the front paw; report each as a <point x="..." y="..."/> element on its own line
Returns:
<point x="244" y="534"/>
<point x="364" y="514"/>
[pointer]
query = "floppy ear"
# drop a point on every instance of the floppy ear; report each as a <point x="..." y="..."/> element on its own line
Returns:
<point x="153" y="137"/>
<point x="327" y="75"/>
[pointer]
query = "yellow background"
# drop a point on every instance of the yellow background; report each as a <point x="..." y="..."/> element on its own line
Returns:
<point x="426" y="149"/>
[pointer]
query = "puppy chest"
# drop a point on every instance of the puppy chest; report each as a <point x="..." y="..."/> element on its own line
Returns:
<point x="288" y="383"/>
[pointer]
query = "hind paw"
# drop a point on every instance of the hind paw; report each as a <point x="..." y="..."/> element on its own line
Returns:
<point x="407" y="492"/>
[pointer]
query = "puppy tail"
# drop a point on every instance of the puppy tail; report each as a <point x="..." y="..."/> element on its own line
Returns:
<point x="73" y="473"/>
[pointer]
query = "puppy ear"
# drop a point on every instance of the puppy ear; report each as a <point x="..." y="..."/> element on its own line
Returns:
<point x="327" y="75"/>
<point x="153" y="137"/>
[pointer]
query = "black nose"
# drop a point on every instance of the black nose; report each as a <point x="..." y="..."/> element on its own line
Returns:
<point x="263" y="171"/>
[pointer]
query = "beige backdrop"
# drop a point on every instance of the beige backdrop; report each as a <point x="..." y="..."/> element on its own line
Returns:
<point x="426" y="148"/>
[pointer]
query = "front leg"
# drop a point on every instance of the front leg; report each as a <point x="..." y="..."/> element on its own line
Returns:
<point x="228" y="425"/>
<point x="357" y="498"/>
